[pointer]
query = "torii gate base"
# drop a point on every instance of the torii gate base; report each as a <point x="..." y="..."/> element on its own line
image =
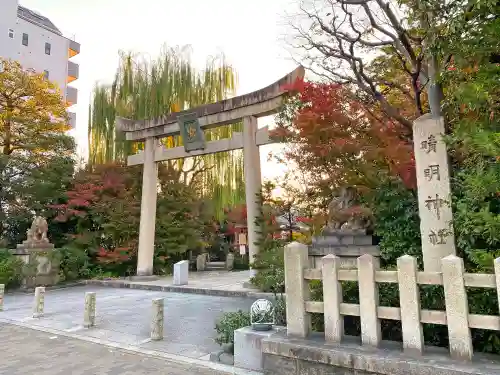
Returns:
<point x="248" y="108"/>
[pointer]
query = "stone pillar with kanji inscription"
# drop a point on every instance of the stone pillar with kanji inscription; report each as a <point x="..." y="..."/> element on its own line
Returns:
<point x="434" y="193"/>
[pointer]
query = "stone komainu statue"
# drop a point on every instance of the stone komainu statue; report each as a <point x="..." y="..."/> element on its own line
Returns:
<point x="38" y="230"/>
<point x="344" y="213"/>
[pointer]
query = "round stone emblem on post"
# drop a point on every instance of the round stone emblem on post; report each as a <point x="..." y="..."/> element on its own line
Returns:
<point x="262" y="315"/>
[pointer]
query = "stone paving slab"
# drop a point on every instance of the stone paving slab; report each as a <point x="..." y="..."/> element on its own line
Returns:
<point x="27" y="352"/>
<point x="123" y="317"/>
<point x="214" y="283"/>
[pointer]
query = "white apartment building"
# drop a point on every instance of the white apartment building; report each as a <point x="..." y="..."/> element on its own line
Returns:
<point x="36" y="43"/>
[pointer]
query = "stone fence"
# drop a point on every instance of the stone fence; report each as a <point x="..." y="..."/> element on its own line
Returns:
<point x="452" y="277"/>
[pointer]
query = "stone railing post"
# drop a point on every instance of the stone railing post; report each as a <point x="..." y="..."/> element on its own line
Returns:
<point x="457" y="307"/>
<point x="332" y="298"/>
<point x="368" y="301"/>
<point x="89" y="310"/>
<point x="2" y="292"/>
<point x="497" y="278"/>
<point x="296" y="289"/>
<point x="157" y="319"/>
<point x="409" y="302"/>
<point x="39" y="302"/>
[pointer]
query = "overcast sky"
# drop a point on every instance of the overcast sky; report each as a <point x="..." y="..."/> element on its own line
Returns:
<point x="249" y="32"/>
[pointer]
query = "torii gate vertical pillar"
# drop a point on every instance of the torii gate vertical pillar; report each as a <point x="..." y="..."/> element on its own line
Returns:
<point x="253" y="184"/>
<point x="148" y="210"/>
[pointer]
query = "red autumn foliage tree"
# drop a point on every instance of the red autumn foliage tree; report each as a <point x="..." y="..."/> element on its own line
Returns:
<point x="336" y="140"/>
<point x="105" y="203"/>
<point x="237" y="215"/>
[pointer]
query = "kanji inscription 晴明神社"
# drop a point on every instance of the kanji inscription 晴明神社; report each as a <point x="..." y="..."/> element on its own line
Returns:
<point x="435" y="204"/>
<point x="434" y="195"/>
<point x="438" y="237"/>
<point x="431" y="172"/>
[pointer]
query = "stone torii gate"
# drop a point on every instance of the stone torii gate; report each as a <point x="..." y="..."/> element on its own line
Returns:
<point x="190" y="124"/>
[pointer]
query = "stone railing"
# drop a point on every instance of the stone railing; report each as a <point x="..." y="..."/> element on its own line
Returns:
<point x="452" y="277"/>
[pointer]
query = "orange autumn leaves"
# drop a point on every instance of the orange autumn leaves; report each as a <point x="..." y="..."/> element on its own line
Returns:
<point x="335" y="137"/>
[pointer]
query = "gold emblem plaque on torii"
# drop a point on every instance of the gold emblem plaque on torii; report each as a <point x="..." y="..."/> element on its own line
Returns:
<point x="192" y="134"/>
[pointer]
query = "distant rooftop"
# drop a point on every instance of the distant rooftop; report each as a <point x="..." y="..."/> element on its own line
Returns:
<point x="37" y="18"/>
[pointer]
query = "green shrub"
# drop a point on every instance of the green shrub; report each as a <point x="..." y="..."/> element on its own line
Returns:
<point x="280" y="310"/>
<point x="11" y="269"/>
<point x="228" y="323"/>
<point x="240" y="262"/>
<point x="270" y="265"/>
<point x="73" y="262"/>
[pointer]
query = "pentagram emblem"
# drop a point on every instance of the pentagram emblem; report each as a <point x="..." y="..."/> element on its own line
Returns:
<point x="191" y="131"/>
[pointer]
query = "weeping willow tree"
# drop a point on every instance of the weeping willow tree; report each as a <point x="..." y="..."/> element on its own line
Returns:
<point x="144" y="89"/>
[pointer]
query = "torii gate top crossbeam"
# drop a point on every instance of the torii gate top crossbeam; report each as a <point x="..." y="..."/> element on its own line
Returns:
<point x="259" y="103"/>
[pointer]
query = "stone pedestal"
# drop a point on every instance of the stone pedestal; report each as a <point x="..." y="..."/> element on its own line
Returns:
<point x="38" y="255"/>
<point x="346" y="244"/>
<point x="247" y="347"/>
<point x="41" y="268"/>
<point x="181" y="271"/>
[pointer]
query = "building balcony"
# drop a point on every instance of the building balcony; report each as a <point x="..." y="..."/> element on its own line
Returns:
<point x="72" y="120"/>
<point x="71" y="95"/>
<point x="73" y="71"/>
<point x="73" y="49"/>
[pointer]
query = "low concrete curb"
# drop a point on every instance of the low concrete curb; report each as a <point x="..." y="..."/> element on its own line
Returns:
<point x="47" y="288"/>
<point x="179" y="289"/>
<point x="223" y="369"/>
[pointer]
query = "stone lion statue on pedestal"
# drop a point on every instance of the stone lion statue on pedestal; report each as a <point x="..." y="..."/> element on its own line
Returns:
<point x="38" y="231"/>
<point x="344" y="213"/>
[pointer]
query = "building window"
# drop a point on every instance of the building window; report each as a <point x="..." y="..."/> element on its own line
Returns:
<point x="11" y="34"/>
<point x="25" y="39"/>
<point x="47" y="48"/>
<point x="46" y="74"/>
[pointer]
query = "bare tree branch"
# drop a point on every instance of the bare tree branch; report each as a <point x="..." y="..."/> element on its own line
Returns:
<point x="342" y="39"/>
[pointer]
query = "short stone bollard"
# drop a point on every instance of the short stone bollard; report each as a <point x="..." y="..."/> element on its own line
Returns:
<point x="201" y="262"/>
<point x="39" y="302"/>
<point x="89" y="312"/>
<point x="181" y="272"/>
<point x="229" y="261"/>
<point x="157" y="319"/>
<point x="2" y="292"/>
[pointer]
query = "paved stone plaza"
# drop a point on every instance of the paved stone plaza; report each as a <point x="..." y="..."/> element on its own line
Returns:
<point x="123" y="317"/>
<point x="27" y="352"/>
